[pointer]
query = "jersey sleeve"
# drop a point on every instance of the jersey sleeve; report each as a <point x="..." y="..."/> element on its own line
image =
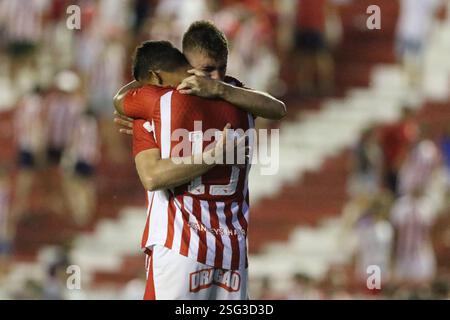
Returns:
<point x="143" y="136"/>
<point x="136" y="103"/>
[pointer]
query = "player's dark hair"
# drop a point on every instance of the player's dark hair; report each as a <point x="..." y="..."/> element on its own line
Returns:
<point x="156" y="55"/>
<point x="205" y="36"/>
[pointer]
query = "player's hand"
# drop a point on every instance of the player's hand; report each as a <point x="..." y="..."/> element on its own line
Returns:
<point x="125" y="123"/>
<point x="200" y="84"/>
<point x="236" y="148"/>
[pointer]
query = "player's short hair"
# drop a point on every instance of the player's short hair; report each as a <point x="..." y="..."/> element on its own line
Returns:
<point x="205" y="36"/>
<point x="156" y="55"/>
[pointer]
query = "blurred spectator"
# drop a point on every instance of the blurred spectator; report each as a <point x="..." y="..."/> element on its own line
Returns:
<point x="54" y="284"/>
<point x="413" y="29"/>
<point x="181" y="14"/>
<point x="22" y="22"/>
<point x="304" y="288"/>
<point x="5" y="201"/>
<point x="445" y="149"/>
<point x="375" y="238"/>
<point x="335" y="283"/>
<point x="252" y="50"/>
<point x="64" y="110"/>
<point x="419" y="165"/>
<point x="312" y="49"/>
<point x="65" y="107"/>
<point x="84" y="153"/>
<point x="367" y="165"/>
<point x="267" y="291"/>
<point x="141" y="12"/>
<point x="395" y="142"/>
<point x="88" y="44"/>
<point x="413" y="216"/>
<point x="105" y="77"/>
<point x="173" y="17"/>
<point x="29" y="137"/>
<point x="112" y="16"/>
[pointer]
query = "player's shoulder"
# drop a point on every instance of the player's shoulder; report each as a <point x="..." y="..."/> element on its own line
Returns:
<point x="180" y="100"/>
<point x="148" y="91"/>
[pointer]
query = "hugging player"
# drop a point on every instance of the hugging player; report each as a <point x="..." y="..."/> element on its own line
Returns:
<point x="196" y="230"/>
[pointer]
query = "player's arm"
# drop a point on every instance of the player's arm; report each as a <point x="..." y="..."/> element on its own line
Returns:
<point x="156" y="173"/>
<point x="258" y="103"/>
<point x="119" y="98"/>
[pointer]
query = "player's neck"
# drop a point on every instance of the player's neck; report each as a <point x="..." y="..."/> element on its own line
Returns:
<point x="175" y="78"/>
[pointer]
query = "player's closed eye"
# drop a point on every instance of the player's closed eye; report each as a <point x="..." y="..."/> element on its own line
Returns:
<point x="208" y="69"/>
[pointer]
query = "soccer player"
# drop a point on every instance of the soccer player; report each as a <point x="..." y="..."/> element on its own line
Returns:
<point x="206" y="49"/>
<point x="196" y="226"/>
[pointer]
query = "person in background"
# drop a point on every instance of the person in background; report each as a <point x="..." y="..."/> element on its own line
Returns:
<point x="252" y="48"/>
<point x="54" y="286"/>
<point x="142" y="9"/>
<point x="84" y="154"/>
<point x="367" y="163"/>
<point x="5" y="233"/>
<point x="64" y="110"/>
<point x="413" y="216"/>
<point x="375" y="237"/>
<point x="420" y="164"/>
<point x="106" y="76"/>
<point x="445" y="149"/>
<point x="29" y="121"/>
<point x="22" y="23"/>
<point x="303" y="288"/>
<point x="395" y="141"/>
<point x="313" y="52"/>
<point x="411" y="39"/>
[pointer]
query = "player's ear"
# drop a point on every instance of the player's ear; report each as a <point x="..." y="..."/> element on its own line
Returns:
<point x="155" y="78"/>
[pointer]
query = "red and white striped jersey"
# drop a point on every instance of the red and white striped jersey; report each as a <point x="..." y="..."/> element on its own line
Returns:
<point x="28" y="120"/>
<point x="418" y="167"/>
<point x="63" y="113"/>
<point x="22" y="19"/>
<point x="86" y="143"/>
<point x="413" y="219"/>
<point x="207" y="219"/>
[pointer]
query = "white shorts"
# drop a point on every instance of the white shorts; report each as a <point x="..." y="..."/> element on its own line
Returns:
<point x="171" y="276"/>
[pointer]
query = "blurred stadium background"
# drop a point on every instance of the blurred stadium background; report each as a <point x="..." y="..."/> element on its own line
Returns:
<point x="366" y="108"/>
